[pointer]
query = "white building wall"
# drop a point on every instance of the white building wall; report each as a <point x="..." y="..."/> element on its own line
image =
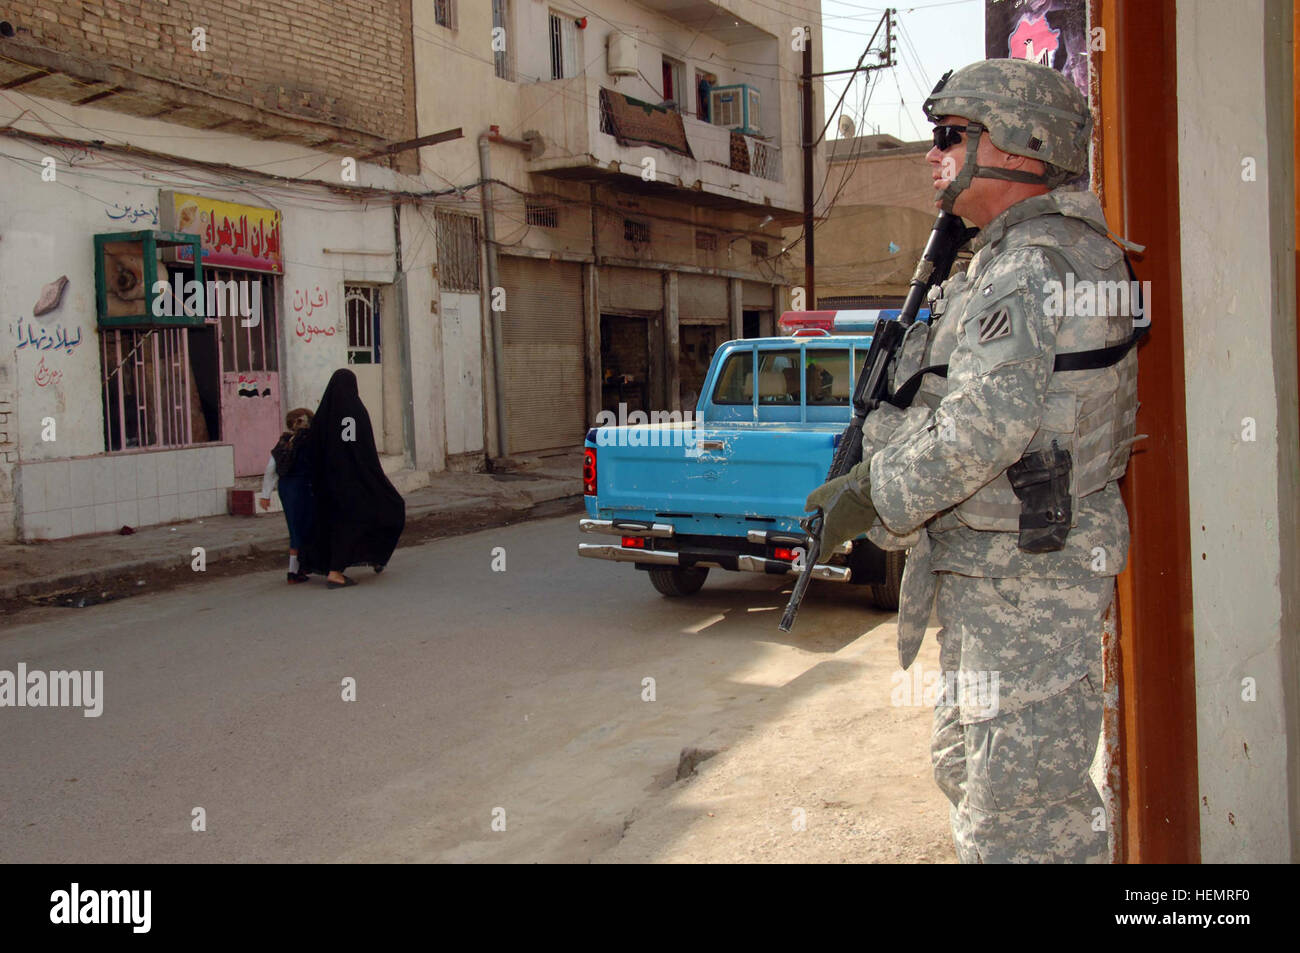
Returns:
<point x="1238" y="299"/>
<point x="46" y="230"/>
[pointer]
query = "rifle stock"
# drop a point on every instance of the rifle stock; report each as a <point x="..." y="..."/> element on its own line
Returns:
<point x="872" y="386"/>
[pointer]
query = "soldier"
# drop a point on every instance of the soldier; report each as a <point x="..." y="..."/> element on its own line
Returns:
<point x="1002" y="478"/>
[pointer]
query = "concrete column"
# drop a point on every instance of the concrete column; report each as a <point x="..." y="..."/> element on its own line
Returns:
<point x="591" y="333"/>
<point x="735" y="307"/>
<point x="672" y="345"/>
<point x="1239" y="322"/>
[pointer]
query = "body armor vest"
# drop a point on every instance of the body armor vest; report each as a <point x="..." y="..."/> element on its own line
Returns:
<point x="1091" y="413"/>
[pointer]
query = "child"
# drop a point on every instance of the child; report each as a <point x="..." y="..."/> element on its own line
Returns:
<point x="290" y="466"/>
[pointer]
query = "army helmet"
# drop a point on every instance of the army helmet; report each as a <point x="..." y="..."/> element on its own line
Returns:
<point x="1028" y="109"/>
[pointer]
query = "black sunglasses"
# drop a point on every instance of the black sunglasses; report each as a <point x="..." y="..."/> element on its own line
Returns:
<point x="945" y="137"/>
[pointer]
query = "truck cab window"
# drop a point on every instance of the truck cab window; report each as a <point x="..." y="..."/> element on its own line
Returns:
<point x="779" y="377"/>
<point x="827" y="377"/>
<point x="736" y="381"/>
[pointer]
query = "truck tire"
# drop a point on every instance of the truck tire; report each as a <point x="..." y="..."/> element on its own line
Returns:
<point x="678" y="580"/>
<point x="885" y="594"/>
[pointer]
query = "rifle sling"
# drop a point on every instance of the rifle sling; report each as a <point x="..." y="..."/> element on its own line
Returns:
<point x="1092" y="360"/>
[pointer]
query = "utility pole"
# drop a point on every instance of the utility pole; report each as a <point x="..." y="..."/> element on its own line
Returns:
<point x="809" y="279"/>
<point x="806" y="78"/>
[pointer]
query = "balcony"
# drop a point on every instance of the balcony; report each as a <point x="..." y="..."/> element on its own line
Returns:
<point x="724" y="170"/>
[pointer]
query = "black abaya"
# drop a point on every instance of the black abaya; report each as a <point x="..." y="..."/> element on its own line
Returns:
<point x="359" y="513"/>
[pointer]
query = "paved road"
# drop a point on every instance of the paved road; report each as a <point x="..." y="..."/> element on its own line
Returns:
<point x="476" y="690"/>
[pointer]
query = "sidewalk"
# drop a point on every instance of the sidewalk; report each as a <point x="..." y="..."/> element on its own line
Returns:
<point x="29" y="570"/>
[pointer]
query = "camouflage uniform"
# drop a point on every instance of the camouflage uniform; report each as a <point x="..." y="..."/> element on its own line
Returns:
<point x="1015" y="771"/>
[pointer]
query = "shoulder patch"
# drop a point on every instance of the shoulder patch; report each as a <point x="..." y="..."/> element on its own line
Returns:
<point x="994" y="325"/>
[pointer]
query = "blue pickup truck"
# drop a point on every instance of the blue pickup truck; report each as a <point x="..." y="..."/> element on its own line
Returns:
<point x="725" y="488"/>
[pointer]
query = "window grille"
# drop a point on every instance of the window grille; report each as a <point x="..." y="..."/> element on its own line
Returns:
<point x="635" y="232"/>
<point x="545" y="216"/>
<point x="458" y="251"/>
<point x="146" y="378"/>
<point x="564" y="46"/>
<point x="361" y="309"/>
<point x="706" y="241"/>
<point x="758" y="249"/>
<point x="245" y="349"/>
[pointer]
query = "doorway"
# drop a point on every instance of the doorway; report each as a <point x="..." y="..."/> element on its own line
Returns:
<point x="625" y="363"/>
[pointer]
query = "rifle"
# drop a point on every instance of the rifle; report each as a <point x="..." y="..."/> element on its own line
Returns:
<point x="872" y="387"/>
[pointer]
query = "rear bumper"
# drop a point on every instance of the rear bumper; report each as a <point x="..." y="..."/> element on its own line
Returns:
<point x="738" y="562"/>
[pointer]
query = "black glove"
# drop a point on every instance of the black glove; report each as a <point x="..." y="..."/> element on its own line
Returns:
<point x="846" y="507"/>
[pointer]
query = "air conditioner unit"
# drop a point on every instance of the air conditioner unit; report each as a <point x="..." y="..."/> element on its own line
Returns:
<point x="736" y="107"/>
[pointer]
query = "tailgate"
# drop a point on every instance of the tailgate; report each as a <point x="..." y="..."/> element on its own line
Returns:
<point x="762" y="470"/>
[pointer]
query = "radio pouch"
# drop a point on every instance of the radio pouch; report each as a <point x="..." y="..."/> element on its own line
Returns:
<point x="1041" y="481"/>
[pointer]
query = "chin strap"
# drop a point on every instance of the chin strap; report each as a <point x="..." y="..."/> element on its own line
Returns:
<point x="970" y="169"/>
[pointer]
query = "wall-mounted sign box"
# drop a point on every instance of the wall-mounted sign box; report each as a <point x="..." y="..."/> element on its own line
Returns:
<point x="128" y="268"/>
<point x="232" y="235"/>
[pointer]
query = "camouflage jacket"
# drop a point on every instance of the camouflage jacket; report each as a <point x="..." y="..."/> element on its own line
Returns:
<point x="1024" y="298"/>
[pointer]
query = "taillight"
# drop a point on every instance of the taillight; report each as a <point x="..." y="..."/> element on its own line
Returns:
<point x="589" y="472"/>
<point x="633" y="542"/>
<point x="783" y="553"/>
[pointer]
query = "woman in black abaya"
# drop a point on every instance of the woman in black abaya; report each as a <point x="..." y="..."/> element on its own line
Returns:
<point x="359" y="514"/>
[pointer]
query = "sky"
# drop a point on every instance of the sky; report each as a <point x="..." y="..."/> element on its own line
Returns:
<point x="933" y="37"/>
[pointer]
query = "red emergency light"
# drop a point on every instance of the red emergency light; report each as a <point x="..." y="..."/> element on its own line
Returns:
<point x="817" y="323"/>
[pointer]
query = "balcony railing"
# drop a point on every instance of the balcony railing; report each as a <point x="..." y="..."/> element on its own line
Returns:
<point x="713" y="144"/>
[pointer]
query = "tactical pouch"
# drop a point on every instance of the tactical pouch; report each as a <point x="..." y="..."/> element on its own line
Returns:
<point x="1041" y="481"/>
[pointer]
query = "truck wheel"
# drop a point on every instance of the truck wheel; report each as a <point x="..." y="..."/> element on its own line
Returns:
<point x="678" y="580"/>
<point x="885" y="594"/>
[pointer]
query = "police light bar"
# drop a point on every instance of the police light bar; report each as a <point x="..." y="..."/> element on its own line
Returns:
<point x="803" y="323"/>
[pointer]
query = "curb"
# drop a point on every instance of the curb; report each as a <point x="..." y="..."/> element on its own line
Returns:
<point x="86" y="578"/>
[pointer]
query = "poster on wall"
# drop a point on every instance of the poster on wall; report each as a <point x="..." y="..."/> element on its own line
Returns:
<point x="1051" y="32"/>
<point x="232" y="235"/>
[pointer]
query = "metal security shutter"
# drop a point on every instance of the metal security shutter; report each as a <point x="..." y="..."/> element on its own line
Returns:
<point x="755" y="294"/>
<point x="702" y="297"/>
<point x="543" y="339"/>
<point x="631" y="289"/>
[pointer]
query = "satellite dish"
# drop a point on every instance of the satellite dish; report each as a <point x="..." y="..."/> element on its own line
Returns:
<point x="847" y="129"/>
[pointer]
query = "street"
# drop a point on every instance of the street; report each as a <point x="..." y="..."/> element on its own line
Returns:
<point x="532" y="714"/>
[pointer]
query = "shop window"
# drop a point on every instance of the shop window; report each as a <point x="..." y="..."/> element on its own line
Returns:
<point x="361" y="307"/>
<point x="152" y="397"/>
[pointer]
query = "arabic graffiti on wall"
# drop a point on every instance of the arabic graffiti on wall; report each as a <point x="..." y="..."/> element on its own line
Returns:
<point x="305" y="304"/>
<point x="133" y="213"/>
<point x="45" y="375"/>
<point x="44" y="339"/>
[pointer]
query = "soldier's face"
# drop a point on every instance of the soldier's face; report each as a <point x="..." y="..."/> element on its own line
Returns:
<point x="984" y="199"/>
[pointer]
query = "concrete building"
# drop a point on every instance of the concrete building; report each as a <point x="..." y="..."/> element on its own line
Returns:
<point x="249" y="127"/>
<point x="875" y="230"/>
<point x="630" y="235"/>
